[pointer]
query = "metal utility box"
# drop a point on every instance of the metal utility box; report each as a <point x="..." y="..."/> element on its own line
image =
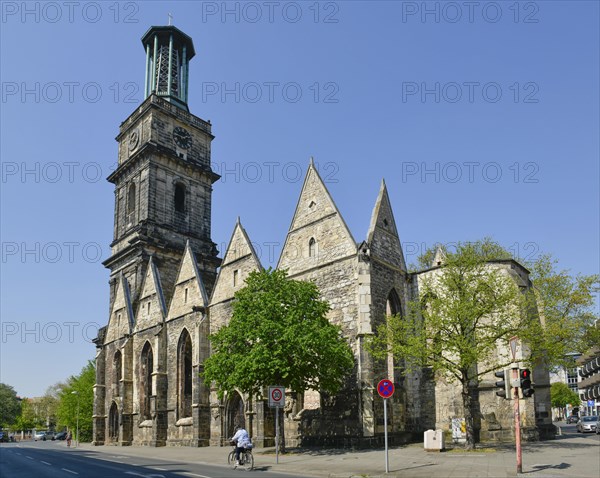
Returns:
<point x="434" y="440"/>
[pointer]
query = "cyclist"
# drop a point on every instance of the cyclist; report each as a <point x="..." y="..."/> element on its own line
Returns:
<point x="242" y="441"/>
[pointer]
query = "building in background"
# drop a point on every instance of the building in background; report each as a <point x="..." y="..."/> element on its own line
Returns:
<point x="569" y="376"/>
<point x="589" y="386"/>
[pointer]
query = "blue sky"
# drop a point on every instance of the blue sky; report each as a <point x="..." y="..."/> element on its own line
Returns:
<point x="483" y="120"/>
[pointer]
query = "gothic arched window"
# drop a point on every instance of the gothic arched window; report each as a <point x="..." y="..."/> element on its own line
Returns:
<point x="312" y="247"/>
<point x="146" y="367"/>
<point x="117" y="366"/>
<point x="184" y="375"/>
<point x="392" y="307"/>
<point x="179" y="198"/>
<point x="131" y="198"/>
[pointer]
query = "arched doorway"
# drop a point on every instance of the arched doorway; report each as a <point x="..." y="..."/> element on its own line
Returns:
<point x="235" y="413"/>
<point x="113" y="423"/>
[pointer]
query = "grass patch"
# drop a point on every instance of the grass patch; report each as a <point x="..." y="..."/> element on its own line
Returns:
<point x="475" y="450"/>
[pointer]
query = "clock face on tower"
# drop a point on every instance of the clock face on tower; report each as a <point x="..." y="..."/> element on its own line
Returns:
<point x="134" y="139"/>
<point x="182" y="138"/>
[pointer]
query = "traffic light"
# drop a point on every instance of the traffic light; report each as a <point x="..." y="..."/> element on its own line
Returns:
<point x="503" y="384"/>
<point x="525" y="382"/>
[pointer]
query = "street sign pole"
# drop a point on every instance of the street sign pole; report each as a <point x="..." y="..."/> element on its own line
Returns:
<point x="387" y="463"/>
<point x="385" y="389"/>
<point x="277" y="435"/>
<point x="276" y="400"/>
<point x="515" y="373"/>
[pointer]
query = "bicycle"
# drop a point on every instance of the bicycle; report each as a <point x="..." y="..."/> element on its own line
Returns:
<point x="246" y="458"/>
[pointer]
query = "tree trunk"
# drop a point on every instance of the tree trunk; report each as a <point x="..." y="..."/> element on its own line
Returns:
<point x="467" y="397"/>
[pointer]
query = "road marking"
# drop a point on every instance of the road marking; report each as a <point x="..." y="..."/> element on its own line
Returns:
<point x="18" y="453"/>
<point x="69" y="471"/>
<point x="157" y="468"/>
<point x="194" y="474"/>
<point x="30" y="457"/>
<point x="145" y="476"/>
<point x="46" y="463"/>
<point x="106" y="459"/>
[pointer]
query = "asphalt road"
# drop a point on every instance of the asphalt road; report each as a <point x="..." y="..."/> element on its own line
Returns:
<point x="54" y="460"/>
<point x="572" y="454"/>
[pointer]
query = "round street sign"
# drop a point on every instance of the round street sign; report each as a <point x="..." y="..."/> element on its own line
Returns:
<point x="276" y="396"/>
<point x="385" y="388"/>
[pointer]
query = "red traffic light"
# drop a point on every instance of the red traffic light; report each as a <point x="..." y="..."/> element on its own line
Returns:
<point x="526" y="386"/>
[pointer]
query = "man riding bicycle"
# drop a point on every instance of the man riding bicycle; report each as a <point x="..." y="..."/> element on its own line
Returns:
<point x="242" y="441"/>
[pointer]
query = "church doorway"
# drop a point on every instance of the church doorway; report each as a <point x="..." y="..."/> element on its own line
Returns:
<point x="113" y="423"/>
<point x="235" y="413"/>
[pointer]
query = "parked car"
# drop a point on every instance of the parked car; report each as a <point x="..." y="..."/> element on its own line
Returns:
<point x="43" y="436"/>
<point x="587" y="424"/>
<point x="60" y="436"/>
<point x="573" y="419"/>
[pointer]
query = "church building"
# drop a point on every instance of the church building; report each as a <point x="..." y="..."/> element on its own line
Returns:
<point x="169" y="290"/>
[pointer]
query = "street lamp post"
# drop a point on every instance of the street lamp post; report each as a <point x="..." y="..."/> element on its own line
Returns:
<point x="75" y="392"/>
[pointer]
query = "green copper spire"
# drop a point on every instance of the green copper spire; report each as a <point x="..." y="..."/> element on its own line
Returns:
<point x="168" y="54"/>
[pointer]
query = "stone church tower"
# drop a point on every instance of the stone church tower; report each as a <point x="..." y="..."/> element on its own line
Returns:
<point x="169" y="291"/>
<point x="162" y="237"/>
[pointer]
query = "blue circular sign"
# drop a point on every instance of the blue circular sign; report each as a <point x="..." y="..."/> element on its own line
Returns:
<point x="385" y="388"/>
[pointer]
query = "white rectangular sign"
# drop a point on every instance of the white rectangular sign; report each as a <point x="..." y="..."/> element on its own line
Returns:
<point x="276" y="396"/>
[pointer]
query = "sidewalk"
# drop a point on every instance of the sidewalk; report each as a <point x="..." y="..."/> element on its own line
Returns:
<point x="571" y="456"/>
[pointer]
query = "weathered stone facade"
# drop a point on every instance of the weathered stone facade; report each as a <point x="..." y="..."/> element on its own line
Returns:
<point x="169" y="291"/>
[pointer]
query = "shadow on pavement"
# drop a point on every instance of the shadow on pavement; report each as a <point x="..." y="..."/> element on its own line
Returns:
<point x="536" y="468"/>
<point x="415" y="466"/>
<point x="333" y="451"/>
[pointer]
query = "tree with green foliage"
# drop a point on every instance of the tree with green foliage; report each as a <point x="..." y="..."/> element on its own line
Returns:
<point x="468" y="306"/>
<point x="76" y="399"/>
<point x="449" y="327"/>
<point x="561" y="396"/>
<point x="10" y="406"/>
<point x="566" y="307"/>
<point x="278" y="335"/>
<point x="30" y="416"/>
<point x="48" y="403"/>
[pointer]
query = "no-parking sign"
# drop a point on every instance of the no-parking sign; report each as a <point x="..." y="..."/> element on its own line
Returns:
<point x="276" y="396"/>
<point x="385" y="388"/>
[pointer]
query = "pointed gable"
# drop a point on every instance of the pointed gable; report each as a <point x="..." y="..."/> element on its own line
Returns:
<point x="240" y="259"/>
<point x="120" y="322"/>
<point x="383" y="238"/>
<point x="439" y="258"/>
<point x="151" y="305"/>
<point x="189" y="293"/>
<point x="318" y="233"/>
